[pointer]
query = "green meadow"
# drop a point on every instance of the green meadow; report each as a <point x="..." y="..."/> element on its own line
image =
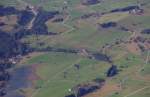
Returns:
<point x="56" y="71"/>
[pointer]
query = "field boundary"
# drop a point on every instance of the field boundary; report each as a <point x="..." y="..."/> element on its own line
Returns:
<point x="137" y="91"/>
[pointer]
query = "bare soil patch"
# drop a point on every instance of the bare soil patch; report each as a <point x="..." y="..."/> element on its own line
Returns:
<point x="133" y="48"/>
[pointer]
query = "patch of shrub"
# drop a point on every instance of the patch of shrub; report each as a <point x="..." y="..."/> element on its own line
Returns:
<point x="108" y="25"/>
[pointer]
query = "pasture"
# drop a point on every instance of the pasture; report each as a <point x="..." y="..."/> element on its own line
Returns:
<point x="55" y="72"/>
<point x="50" y="68"/>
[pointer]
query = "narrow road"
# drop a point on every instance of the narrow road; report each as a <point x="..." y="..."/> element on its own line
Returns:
<point x="137" y="91"/>
<point x="32" y="9"/>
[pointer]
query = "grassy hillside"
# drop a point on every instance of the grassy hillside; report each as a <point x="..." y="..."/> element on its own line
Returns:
<point x="91" y="28"/>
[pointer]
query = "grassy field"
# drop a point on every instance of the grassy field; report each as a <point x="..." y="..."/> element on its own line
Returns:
<point x="79" y="33"/>
<point x="8" y="2"/>
<point x="51" y="68"/>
